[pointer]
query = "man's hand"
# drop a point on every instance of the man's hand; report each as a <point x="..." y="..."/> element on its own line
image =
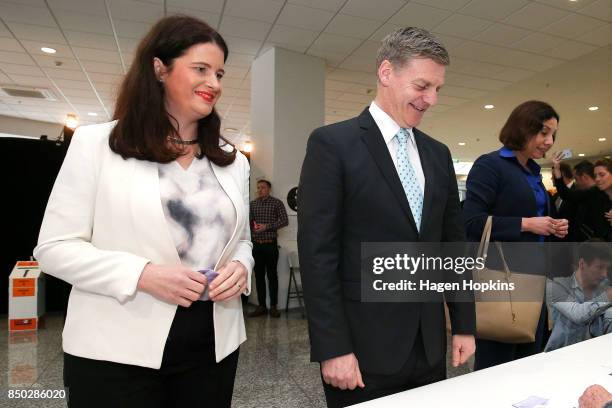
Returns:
<point x="464" y="345"/>
<point x="260" y="227"/>
<point x="342" y="372"/>
<point x="595" y="396"/>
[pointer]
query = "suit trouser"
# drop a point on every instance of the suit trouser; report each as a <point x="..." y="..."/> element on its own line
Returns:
<point x="266" y="260"/>
<point x="188" y="377"/>
<point x="416" y="372"/>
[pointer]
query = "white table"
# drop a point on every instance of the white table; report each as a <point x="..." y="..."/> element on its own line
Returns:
<point x="560" y="376"/>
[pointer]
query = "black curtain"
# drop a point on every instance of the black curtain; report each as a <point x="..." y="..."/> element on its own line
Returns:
<point x="28" y="170"/>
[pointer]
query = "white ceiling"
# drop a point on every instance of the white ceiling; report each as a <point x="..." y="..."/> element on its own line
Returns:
<point x="496" y="47"/>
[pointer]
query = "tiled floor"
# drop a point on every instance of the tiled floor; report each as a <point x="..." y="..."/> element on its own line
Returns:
<point x="273" y="370"/>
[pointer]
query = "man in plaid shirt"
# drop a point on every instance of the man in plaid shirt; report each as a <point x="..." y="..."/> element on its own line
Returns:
<point x="267" y="214"/>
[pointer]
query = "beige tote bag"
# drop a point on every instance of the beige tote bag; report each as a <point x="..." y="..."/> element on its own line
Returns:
<point x="498" y="316"/>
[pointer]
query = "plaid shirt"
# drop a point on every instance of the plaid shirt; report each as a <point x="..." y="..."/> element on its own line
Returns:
<point x="269" y="211"/>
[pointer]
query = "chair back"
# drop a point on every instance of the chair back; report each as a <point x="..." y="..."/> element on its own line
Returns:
<point x="294" y="260"/>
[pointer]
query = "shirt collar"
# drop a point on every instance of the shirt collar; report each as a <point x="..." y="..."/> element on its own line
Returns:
<point x="603" y="285"/>
<point x="509" y="154"/>
<point x="388" y="127"/>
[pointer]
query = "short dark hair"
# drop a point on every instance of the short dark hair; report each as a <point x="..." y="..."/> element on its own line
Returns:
<point x="265" y="181"/>
<point x="593" y="249"/>
<point x="143" y="123"/>
<point x="566" y="170"/>
<point x="585" y="167"/>
<point x="525" y="122"/>
<point x="607" y="163"/>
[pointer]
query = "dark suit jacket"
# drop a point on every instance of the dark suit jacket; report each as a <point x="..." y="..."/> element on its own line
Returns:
<point x="566" y="210"/>
<point x="350" y="193"/>
<point x="591" y="204"/>
<point x="497" y="186"/>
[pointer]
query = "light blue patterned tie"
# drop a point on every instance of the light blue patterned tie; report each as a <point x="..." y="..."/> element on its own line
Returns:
<point x="408" y="177"/>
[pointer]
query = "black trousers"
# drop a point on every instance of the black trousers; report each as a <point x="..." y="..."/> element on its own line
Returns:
<point x="188" y="377"/>
<point x="416" y="372"/>
<point x="266" y="259"/>
<point x="491" y="353"/>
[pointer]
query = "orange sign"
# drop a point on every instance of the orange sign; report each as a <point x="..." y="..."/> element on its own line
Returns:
<point x="21" y="291"/>
<point x="23" y="324"/>
<point x="27" y="264"/>
<point x="24" y="283"/>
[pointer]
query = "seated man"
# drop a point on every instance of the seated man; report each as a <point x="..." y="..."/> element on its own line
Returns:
<point x="581" y="301"/>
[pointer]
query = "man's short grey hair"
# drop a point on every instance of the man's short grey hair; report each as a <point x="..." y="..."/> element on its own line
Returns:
<point x="408" y="43"/>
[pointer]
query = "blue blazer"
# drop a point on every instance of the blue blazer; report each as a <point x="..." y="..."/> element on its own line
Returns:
<point x="497" y="186"/>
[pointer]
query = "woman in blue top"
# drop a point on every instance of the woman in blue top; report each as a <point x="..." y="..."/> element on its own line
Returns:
<point x="507" y="184"/>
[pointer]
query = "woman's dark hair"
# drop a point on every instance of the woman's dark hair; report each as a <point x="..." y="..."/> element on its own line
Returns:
<point x="525" y="122"/>
<point x="607" y="163"/>
<point x="143" y="123"/>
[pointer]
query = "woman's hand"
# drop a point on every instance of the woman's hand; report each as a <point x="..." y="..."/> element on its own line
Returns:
<point x="545" y="226"/>
<point x="556" y="162"/>
<point x="230" y="283"/>
<point x="608" y="215"/>
<point x="173" y="284"/>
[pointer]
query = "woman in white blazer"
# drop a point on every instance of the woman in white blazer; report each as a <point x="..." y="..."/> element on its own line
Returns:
<point x="148" y="220"/>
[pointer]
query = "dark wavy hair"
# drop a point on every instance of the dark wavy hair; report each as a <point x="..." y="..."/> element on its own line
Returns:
<point x="143" y="124"/>
<point x="607" y="163"/>
<point x="525" y="122"/>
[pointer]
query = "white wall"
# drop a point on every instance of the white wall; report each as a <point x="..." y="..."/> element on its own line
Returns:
<point x="287" y="104"/>
<point x="26" y="127"/>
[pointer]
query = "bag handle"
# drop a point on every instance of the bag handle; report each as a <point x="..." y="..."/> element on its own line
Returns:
<point x="485" y="240"/>
<point x="483" y="248"/>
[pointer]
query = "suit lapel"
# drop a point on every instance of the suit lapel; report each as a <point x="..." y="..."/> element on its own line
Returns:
<point x="375" y="143"/>
<point x="426" y="157"/>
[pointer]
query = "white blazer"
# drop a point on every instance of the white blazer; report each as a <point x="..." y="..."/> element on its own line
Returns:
<point x="103" y="223"/>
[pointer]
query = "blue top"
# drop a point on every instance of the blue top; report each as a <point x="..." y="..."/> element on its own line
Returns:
<point x="534" y="178"/>
<point x="500" y="186"/>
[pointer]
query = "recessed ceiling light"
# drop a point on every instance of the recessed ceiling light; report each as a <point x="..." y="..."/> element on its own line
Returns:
<point x="602" y="139"/>
<point x="92" y="113"/>
<point x="489" y="106"/>
<point x="230" y="129"/>
<point x="593" y="108"/>
<point x="48" y="50"/>
<point x="461" y="143"/>
<point x="581" y="154"/>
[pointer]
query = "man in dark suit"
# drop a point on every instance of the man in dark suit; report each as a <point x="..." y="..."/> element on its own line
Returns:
<point x="563" y="208"/>
<point x="376" y="178"/>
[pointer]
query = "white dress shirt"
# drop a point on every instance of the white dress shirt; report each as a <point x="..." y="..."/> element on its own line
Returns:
<point x="389" y="128"/>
